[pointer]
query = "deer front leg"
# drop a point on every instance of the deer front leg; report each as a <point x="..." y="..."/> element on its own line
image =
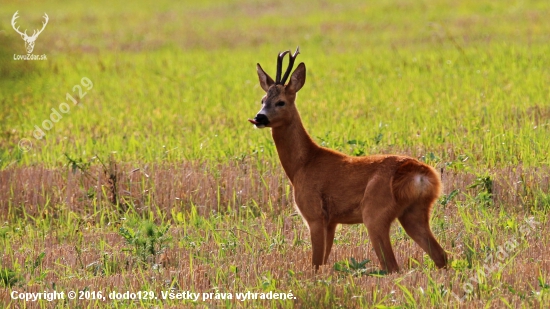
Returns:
<point x="331" y="230"/>
<point x="318" y="233"/>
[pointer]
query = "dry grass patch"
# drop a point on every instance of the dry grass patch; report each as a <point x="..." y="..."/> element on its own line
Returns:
<point x="232" y="229"/>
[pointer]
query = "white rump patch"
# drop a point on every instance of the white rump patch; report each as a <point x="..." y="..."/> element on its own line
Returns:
<point x="420" y="182"/>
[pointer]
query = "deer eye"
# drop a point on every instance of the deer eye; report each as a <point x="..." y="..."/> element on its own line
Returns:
<point x="280" y="103"/>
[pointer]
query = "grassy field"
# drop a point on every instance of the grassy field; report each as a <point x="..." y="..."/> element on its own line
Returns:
<point x="153" y="180"/>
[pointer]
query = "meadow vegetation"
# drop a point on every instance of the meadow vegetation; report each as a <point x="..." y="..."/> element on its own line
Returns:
<point x="156" y="181"/>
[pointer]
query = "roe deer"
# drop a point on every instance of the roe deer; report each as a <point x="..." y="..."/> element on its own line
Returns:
<point x="331" y="187"/>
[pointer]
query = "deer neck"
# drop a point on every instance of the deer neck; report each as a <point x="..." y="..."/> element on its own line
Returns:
<point x="294" y="146"/>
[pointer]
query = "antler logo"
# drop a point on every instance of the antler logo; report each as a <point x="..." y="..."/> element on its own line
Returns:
<point x="29" y="40"/>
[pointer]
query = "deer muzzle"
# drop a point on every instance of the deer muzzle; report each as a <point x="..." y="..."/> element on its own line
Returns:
<point x="260" y="121"/>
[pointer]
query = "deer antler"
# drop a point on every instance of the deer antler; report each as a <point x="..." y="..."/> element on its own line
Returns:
<point x="43" y="26"/>
<point x="34" y="34"/>
<point x="280" y="58"/>
<point x="15" y="16"/>
<point x="290" y="64"/>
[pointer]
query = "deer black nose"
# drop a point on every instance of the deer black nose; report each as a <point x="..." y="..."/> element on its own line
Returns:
<point x="261" y="119"/>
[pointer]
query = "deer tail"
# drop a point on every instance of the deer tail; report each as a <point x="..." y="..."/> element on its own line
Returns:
<point x="413" y="181"/>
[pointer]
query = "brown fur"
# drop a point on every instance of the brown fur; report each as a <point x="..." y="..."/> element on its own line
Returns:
<point x="331" y="188"/>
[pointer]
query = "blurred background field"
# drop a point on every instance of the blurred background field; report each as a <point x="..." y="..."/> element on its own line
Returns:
<point x="178" y="81"/>
<point x="161" y="139"/>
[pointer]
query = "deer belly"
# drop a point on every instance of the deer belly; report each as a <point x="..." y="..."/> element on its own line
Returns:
<point x="352" y="215"/>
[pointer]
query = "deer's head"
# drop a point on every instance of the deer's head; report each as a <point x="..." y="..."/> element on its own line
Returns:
<point x="29" y="40"/>
<point x="278" y="106"/>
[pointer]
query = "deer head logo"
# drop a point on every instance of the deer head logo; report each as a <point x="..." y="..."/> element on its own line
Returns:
<point x="29" y="40"/>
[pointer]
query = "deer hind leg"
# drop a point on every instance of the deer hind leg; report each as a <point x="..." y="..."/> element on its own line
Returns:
<point x="379" y="211"/>
<point x="416" y="222"/>
<point x="379" y="234"/>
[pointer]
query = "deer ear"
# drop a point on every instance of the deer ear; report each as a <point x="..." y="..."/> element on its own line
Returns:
<point x="298" y="78"/>
<point x="265" y="80"/>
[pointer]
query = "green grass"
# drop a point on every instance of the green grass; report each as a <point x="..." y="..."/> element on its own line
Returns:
<point x="461" y="85"/>
<point x="453" y="81"/>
